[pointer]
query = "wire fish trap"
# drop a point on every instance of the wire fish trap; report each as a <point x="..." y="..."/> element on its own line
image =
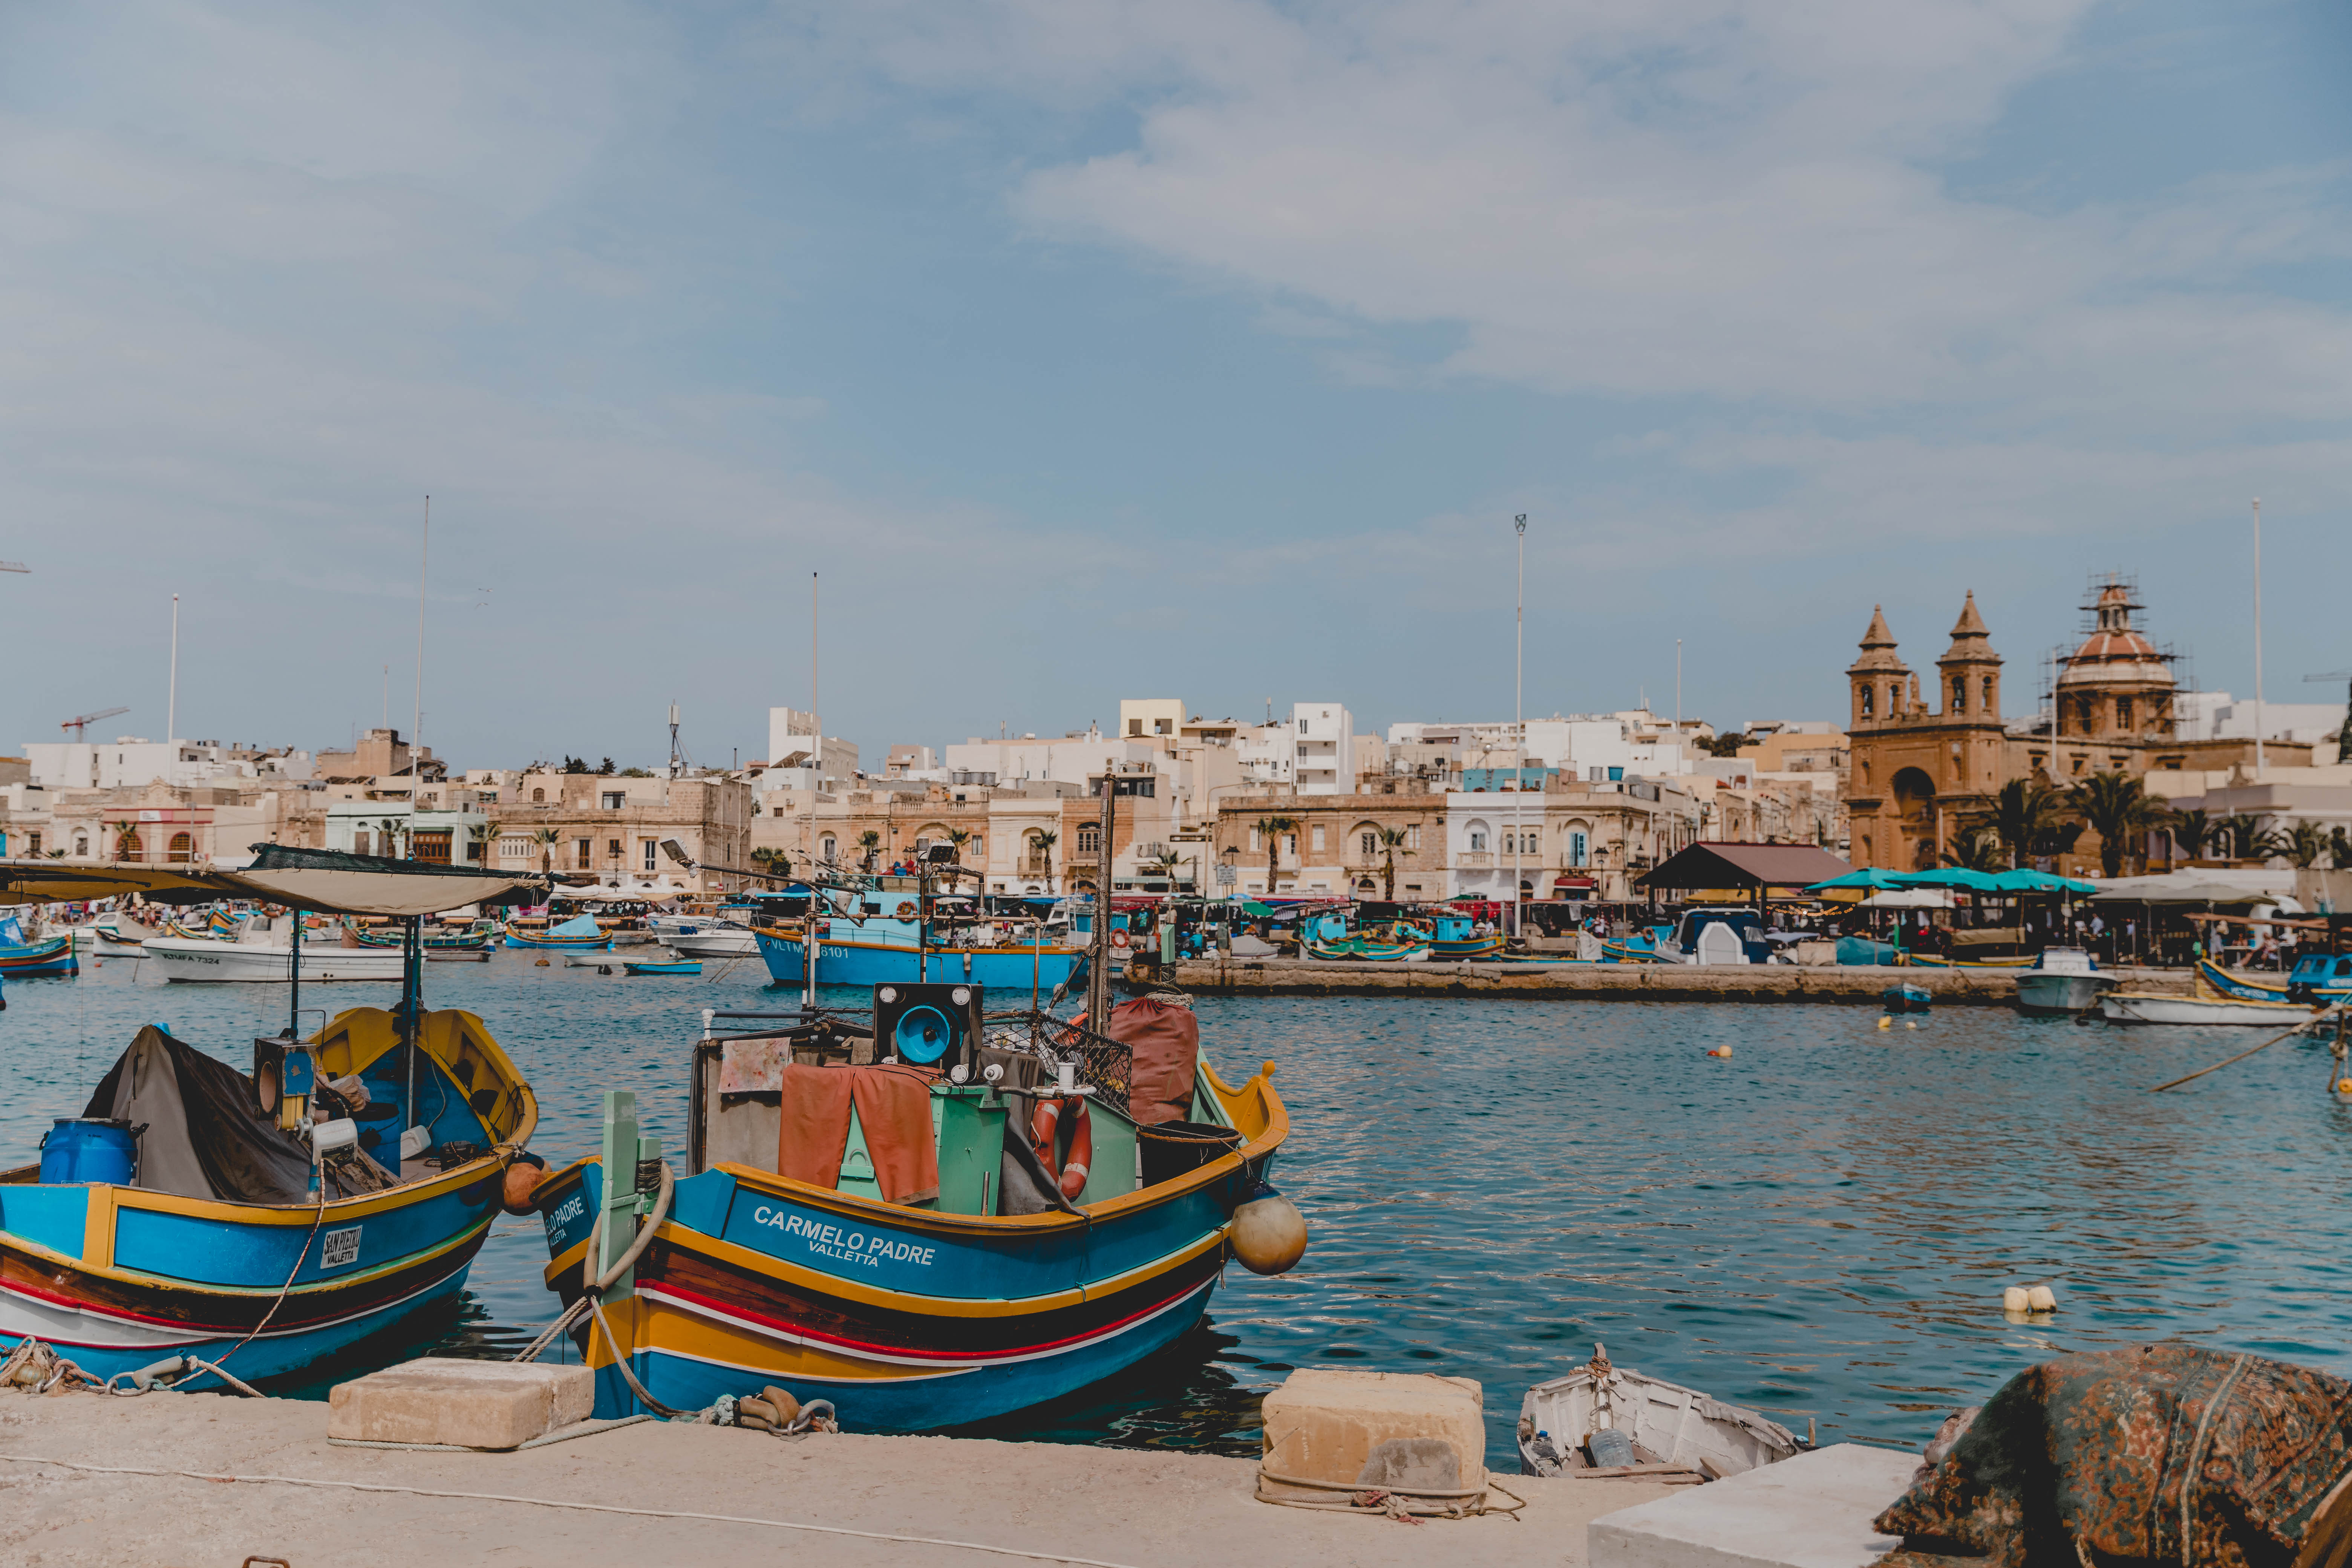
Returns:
<point x="1107" y="1064"/>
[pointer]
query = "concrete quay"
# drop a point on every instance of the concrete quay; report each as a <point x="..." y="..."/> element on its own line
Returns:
<point x="1618" y="982"/>
<point x="997" y="1502"/>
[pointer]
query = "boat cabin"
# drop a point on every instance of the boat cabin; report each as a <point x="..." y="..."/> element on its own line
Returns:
<point x="1731" y="936"/>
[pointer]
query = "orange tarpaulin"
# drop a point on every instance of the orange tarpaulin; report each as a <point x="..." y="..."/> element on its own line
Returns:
<point x="893" y="1110"/>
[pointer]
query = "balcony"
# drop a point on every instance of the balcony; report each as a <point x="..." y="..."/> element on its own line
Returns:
<point x="1475" y="859"/>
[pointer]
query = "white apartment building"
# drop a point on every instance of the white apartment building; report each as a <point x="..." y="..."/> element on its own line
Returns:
<point x="1595" y="747"/>
<point x="2217" y="716"/>
<point x="1313" y="751"/>
<point x="135" y="760"/>
<point x="1144" y="717"/>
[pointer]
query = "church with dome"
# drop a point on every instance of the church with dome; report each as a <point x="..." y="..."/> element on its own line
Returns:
<point x="1923" y="769"/>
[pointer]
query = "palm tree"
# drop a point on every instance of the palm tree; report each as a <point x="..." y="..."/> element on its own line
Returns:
<point x="480" y="832"/>
<point x="1044" y="841"/>
<point x="545" y="837"/>
<point x="870" y="842"/>
<point x="2194" y="831"/>
<point x="2115" y="806"/>
<point x="959" y="837"/>
<point x="2339" y="847"/>
<point x="2023" y="815"/>
<point x="1392" y="843"/>
<point x="126" y="834"/>
<point x="2304" y="843"/>
<point x="1274" y="828"/>
<point x="390" y="827"/>
<point x="2245" y="831"/>
<point x="1980" y="850"/>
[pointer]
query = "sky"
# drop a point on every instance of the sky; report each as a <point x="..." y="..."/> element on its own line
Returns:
<point x="1084" y="351"/>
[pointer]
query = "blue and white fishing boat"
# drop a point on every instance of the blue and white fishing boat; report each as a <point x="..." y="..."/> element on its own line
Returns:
<point x="879" y="936"/>
<point x="192" y="1213"/>
<point x="578" y="934"/>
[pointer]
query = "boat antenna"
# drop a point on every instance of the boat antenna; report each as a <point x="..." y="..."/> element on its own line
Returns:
<point x="2259" y="725"/>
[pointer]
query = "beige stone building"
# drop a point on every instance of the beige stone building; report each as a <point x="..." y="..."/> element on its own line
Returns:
<point x="612" y="827"/>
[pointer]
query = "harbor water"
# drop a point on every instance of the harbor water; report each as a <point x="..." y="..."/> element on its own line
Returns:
<point x="1819" y="1226"/>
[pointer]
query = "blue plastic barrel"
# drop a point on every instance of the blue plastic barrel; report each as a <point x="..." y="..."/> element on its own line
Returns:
<point x="89" y="1149"/>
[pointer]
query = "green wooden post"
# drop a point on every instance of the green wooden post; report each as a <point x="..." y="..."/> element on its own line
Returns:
<point x="619" y="1155"/>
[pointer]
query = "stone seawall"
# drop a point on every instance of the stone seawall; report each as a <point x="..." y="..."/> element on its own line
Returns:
<point x="1619" y="982"/>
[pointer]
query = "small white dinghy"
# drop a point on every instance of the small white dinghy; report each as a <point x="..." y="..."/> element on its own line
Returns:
<point x="1601" y="1412"/>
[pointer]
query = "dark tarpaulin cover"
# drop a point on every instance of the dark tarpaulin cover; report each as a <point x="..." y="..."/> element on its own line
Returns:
<point x="204" y="1138"/>
<point x="2149" y="1454"/>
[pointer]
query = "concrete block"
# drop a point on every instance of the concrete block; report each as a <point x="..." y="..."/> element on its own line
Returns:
<point x="1321" y="1425"/>
<point x="1812" y="1511"/>
<point x="470" y="1404"/>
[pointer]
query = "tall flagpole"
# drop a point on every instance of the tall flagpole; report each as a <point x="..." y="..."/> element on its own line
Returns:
<point x="416" y="723"/>
<point x="1519" y="726"/>
<point x="2259" y="725"/>
<point x="172" y="703"/>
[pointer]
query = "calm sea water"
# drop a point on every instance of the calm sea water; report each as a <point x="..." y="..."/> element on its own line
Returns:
<point x="1820" y="1227"/>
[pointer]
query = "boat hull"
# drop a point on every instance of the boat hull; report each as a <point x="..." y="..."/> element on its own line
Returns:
<point x="54" y="956"/>
<point x="199" y="961"/>
<point x="2139" y="1007"/>
<point x="868" y="963"/>
<point x="2046" y="995"/>
<point x="602" y="940"/>
<point x="712" y="944"/>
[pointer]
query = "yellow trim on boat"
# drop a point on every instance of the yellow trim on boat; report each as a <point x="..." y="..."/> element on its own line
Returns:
<point x="98" y="1230"/>
<point x="165" y="1282"/>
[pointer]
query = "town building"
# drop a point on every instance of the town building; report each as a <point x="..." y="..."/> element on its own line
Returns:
<point x="133" y="761"/>
<point x="613" y="828"/>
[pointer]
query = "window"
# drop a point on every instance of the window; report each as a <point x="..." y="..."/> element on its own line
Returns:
<point x="512" y="848"/>
<point x="977" y="846"/>
<point x="361" y="842"/>
<point x="81" y="846"/>
<point x="1090" y="838"/>
<point x="1257" y="841"/>
<point x="1135" y="726"/>
<point x="1576" y="847"/>
<point x="1302" y="726"/>
<point x="580" y="848"/>
<point x="1413" y="837"/>
<point x="647" y="844"/>
<point x="128" y="845"/>
<point x="1290" y="845"/>
<point x="1869" y="697"/>
<point x="1161" y="727"/>
<point x="615" y="799"/>
<point x="32" y="844"/>
<point x="2123" y="712"/>
<point x="180" y="851"/>
<point x="1959" y="694"/>
<point x="1318" y="838"/>
<point x="432" y="847"/>
<point x="1369" y="843"/>
<point x="538" y="797"/>
<point x="1477" y="840"/>
<point x="1985" y="701"/>
<point x="474" y="848"/>
<point x="827" y="848"/>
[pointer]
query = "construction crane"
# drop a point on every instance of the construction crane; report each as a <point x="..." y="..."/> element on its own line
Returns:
<point x="78" y="726"/>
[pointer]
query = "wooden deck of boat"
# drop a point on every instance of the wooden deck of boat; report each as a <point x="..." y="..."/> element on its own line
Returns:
<point x="1620" y="982"/>
<point x="1142" y="1508"/>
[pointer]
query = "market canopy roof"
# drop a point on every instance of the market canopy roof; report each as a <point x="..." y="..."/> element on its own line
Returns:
<point x="1951" y="877"/>
<point x="325" y="881"/>
<point x="1746" y="866"/>
<point x="2185" y="890"/>
<point x="2026" y="880"/>
<point x="1869" y="876"/>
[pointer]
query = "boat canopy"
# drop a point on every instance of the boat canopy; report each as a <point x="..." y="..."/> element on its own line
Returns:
<point x="323" y="881"/>
<point x="200" y="1135"/>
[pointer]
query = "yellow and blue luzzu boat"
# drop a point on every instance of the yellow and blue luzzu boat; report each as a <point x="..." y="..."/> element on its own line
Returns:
<point x="182" y="1214"/>
<point x="913" y="1317"/>
<point x="580" y="934"/>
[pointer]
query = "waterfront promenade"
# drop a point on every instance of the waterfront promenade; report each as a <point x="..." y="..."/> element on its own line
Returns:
<point x="1620" y="982"/>
<point x="1131" y="1509"/>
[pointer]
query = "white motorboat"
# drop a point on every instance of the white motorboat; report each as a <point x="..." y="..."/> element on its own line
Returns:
<point x="2150" y="1008"/>
<point x="1642" y="1421"/>
<point x="710" y="938"/>
<point x="2063" y="980"/>
<point x="264" y="954"/>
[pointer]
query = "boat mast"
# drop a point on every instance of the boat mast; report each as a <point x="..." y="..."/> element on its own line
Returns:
<point x="816" y="762"/>
<point x="171" y="701"/>
<point x="1099" y="968"/>
<point x="417" y="723"/>
<point x="2259" y="725"/>
<point x="1518" y="725"/>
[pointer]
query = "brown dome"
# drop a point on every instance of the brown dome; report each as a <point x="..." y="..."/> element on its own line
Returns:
<point x="2116" y="653"/>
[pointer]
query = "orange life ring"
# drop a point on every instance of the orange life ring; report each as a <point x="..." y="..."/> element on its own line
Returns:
<point x="1119" y="939"/>
<point x="906" y="908"/>
<point x="1045" y="1125"/>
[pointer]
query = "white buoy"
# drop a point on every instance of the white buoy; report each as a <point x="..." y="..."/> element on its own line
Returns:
<point x="2014" y="1298"/>
<point x="2041" y="1298"/>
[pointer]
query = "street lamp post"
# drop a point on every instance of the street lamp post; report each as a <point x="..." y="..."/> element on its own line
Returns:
<point x="1519" y="726"/>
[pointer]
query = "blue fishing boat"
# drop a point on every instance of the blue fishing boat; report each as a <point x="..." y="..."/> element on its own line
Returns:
<point x="663" y="966"/>
<point x="579" y="934"/>
<point x="864" y="949"/>
<point x="953" y="1266"/>
<point x="273" y="1220"/>
<point x="1457" y="937"/>
<point x="23" y="961"/>
<point x="1907" y="998"/>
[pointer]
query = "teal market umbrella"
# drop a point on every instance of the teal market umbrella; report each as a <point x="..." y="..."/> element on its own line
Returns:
<point x="2026" y="880"/>
<point x="1874" y="881"/>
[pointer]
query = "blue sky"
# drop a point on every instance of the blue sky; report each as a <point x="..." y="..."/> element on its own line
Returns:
<point x="1091" y="350"/>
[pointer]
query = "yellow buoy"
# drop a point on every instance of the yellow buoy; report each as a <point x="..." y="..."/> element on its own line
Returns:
<point x="2344" y="1085"/>
<point x="1886" y="1023"/>
<point x="1270" y="1234"/>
